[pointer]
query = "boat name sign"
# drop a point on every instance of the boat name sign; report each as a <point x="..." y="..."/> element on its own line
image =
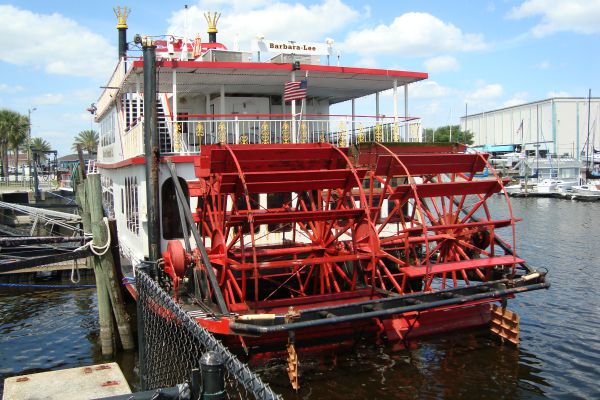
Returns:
<point x="291" y="47"/>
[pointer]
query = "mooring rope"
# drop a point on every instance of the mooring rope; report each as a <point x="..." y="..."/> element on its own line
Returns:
<point x="99" y="250"/>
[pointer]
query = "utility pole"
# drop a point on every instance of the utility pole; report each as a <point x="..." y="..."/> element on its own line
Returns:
<point x="465" y="131"/>
<point x="29" y="139"/>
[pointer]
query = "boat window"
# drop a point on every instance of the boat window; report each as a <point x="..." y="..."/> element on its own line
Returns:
<point x="171" y="221"/>
<point x="131" y="205"/>
<point x="108" y="199"/>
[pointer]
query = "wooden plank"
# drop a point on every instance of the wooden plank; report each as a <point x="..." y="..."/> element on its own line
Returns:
<point x="430" y="164"/>
<point x="413" y="272"/>
<point x="401" y="192"/>
<point x="262" y="218"/>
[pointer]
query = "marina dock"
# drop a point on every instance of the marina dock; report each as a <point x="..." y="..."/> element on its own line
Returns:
<point x="90" y="382"/>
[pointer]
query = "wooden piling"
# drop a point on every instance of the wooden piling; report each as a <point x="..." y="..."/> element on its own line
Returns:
<point x="104" y="312"/>
<point x="101" y="232"/>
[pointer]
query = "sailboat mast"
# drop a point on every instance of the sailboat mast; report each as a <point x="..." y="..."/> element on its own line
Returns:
<point x="588" y="126"/>
<point x="537" y="145"/>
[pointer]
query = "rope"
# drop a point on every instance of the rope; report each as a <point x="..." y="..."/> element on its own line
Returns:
<point x="99" y="250"/>
<point x="73" y="270"/>
<point x="37" y="286"/>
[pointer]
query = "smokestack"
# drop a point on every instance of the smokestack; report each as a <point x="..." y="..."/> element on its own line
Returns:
<point x="212" y="20"/>
<point x="122" y="14"/>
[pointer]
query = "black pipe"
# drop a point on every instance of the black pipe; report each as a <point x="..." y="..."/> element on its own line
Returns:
<point x="122" y="42"/>
<point x="213" y="376"/>
<point x="261" y="330"/>
<point x="151" y="149"/>
<point x="25" y="240"/>
<point x="212" y="37"/>
<point x="45" y="260"/>
<point x="36" y="179"/>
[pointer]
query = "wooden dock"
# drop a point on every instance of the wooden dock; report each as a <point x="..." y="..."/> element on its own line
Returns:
<point x="92" y="382"/>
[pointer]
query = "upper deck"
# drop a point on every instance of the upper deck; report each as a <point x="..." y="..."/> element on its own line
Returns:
<point x="213" y="99"/>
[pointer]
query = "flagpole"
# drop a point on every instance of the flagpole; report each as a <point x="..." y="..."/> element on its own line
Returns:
<point x="293" y="111"/>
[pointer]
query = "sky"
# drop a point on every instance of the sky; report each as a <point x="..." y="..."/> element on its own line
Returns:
<point x="55" y="55"/>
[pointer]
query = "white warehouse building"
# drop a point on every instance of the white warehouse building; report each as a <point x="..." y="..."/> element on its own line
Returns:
<point x="559" y="124"/>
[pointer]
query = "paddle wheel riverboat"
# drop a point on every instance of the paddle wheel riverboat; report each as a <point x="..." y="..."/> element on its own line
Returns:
<point x="280" y="229"/>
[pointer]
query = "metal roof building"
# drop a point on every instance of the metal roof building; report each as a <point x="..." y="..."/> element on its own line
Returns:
<point x="559" y="124"/>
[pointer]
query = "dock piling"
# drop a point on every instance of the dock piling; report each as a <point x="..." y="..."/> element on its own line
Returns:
<point x="101" y="233"/>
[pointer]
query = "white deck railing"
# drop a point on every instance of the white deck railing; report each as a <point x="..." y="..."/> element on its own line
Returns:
<point x="185" y="136"/>
<point x="133" y="141"/>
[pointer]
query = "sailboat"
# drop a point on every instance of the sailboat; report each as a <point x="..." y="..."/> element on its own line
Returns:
<point x="589" y="189"/>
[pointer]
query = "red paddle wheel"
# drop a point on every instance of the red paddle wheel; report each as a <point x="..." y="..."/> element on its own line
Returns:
<point x="434" y="226"/>
<point x="282" y="221"/>
<point x="314" y="241"/>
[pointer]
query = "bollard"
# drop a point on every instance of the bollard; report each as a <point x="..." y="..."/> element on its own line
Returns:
<point x="213" y="376"/>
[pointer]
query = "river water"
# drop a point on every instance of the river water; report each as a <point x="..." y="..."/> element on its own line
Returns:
<point x="559" y="354"/>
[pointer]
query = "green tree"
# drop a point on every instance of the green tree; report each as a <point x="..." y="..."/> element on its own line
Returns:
<point x="13" y="134"/>
<point x="88" y="140"/>
<point x="442" y="134"/>
<point x="41" y="145"/>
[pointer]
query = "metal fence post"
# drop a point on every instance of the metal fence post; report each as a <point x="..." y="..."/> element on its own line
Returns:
<point x="140" y="329"/>
<point x="213" y="376"/>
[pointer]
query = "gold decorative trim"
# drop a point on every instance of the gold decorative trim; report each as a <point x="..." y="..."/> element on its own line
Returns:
<point x="211" y="20"/>
<point x="121" y="14"/>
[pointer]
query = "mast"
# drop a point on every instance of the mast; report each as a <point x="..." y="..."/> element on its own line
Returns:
<point x="537" y="145"/>
<point x="587" y="149"/>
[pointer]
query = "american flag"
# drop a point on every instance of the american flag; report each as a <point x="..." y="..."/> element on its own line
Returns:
<point x="295" y="90"/>
<point x="520" y="129"/>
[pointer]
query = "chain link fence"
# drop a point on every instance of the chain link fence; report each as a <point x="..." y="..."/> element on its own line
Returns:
<point x="172" y="343"/>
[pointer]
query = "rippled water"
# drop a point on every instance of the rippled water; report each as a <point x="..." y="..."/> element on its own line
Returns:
<point x="559" y="355"/>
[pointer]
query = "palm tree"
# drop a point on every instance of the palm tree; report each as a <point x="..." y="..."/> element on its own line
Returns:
<point x="18" y="137"/>
<point x="13" y="134"/>
<point x="88" y="140"/>
<point x="40" y="145"/>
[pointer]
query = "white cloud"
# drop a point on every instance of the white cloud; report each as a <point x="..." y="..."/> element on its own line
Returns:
<point x="275" y="20"/>
<point x="485" y="93"/>
<point x="559" y="94"/>
<point x="543" y="65"/>
<point x="412" y="34"/>
<point x="48" y="99"/>
<point x="77" y="117"/>
<point x="580" y="16"/>
<point x="365" y="62"/>
<point x="10" y="89"/>
<point x="428" y="90"/>
<point x="516" y="99"/>
<point x="441" y="64"/>
<point x="53" y="42"/>
<point x="423" y="90"/>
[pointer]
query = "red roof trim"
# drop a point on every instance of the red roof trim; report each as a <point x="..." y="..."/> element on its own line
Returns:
<point x="286" y="67"/>
<point x="142" y="160"/>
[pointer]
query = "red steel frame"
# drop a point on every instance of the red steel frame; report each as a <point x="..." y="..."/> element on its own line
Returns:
<point x="336" y="242"/>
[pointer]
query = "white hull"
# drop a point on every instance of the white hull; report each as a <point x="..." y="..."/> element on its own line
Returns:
<point x="588" y="190"/>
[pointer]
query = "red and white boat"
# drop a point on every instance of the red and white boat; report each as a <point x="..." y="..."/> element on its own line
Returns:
<point x="296" y="225"/>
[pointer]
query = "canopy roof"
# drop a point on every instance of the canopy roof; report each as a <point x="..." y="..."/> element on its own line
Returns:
<point x="335" y="84"/>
